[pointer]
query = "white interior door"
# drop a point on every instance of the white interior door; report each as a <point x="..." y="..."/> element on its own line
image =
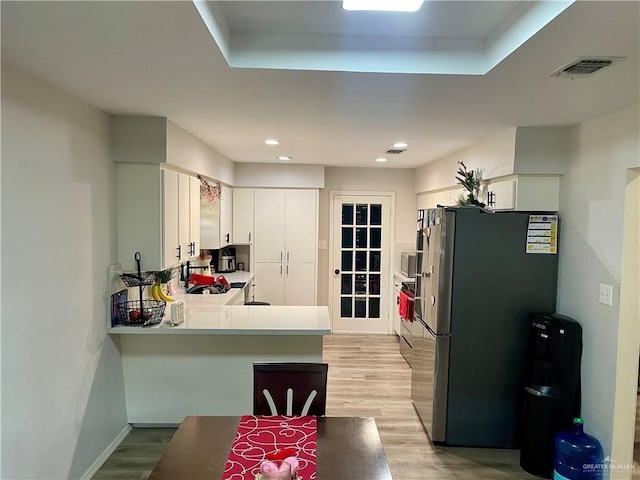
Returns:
<point x="360" y="266"/>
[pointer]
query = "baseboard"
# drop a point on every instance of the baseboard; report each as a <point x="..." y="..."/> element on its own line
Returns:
<point x="106" y="454"/>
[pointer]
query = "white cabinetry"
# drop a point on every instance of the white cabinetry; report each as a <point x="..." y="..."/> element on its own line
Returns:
<point x="285" y="246"/>
<point x="171" y="248"/>
<point x="226" y="216"/>
<point x="194" y="215"/>
<point x="535" y="192"/>
<point x="243" y="214"/>
<point x="150" y="216"/>
<point x="216" y="221"/>
<point x="181" y="217"/>
<point x="502" y="194"/>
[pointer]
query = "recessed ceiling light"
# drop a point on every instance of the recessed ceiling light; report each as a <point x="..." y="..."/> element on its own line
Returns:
<point x="271" y="141"/>
<point x="400" y="145"/>
<point x="381" y="160"/>
<point x="283" y="157"/>
<point x="383" y="5"/>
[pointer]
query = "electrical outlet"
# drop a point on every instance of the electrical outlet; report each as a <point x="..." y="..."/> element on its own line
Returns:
<point x="322" y="245"/>
<point x="606" y="294"/>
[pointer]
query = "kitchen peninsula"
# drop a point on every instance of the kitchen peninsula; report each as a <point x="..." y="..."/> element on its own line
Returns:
<point x="204" y="366"/>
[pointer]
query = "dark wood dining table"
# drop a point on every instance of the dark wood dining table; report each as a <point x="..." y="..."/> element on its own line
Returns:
<point x="348" y="448"/>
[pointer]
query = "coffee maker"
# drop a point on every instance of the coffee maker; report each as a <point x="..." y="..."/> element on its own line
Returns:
<point x="227" y="260"/>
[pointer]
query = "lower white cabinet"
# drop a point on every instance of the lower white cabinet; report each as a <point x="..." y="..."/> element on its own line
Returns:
<point x="285" y="284"/>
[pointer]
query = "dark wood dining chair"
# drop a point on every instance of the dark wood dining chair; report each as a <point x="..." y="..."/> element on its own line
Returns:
<point x="290" y="388"/>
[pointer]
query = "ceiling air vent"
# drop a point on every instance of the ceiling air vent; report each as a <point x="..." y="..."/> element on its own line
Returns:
<point x="584" y="66"/>
<point x="396" y="151"/>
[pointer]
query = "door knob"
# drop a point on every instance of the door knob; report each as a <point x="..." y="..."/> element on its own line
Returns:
<point x="336" y="271"/>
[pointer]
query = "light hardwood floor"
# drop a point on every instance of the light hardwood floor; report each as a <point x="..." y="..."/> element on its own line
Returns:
<point x="367" y="377"/>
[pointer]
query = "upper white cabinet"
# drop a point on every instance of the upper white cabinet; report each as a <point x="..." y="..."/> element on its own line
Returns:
<point x="502" y="195"/>
<point x="534" y="192"/>
<point x="216" y="220"/>
<point x="181" y="217"/>
<point x="194" y="212"/>
<point x="243" y="215"/>
<point x="155" y="216"/>
<point x="285" y="246"/>
<point x="171" y="249"/>
<point x="226" y="216"/>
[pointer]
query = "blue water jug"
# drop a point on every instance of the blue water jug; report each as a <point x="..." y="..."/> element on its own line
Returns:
<point x="578" y="456"/>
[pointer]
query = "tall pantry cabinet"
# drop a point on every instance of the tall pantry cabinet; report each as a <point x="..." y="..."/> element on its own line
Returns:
<point x="285" y="246"/>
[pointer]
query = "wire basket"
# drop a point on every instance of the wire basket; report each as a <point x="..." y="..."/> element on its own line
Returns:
<point x="132" y="315"/>
<point x="133" y="280"/>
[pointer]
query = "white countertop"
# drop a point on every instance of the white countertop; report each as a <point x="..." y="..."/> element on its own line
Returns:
<point x="208" y="319"/>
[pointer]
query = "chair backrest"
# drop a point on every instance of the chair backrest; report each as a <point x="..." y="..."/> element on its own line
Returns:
<point x="290" y="388"/>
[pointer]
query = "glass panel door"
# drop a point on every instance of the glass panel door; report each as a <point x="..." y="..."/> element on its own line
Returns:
<point x="361" y="263"/>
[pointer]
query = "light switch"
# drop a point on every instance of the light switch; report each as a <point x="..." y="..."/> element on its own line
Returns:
<point x="606" y="294"/>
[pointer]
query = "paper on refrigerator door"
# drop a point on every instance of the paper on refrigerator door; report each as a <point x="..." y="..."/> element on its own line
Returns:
<point x="542" y="234"/>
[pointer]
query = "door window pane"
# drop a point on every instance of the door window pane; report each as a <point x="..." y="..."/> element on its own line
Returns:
<point x="361" y="261"/>
<point x="347" y="214"/>
<point x="345" y="307"/>
<point x="376" y="238"/>
<point x="374" y="261"/>
<point x="346" y="287"/>
<point x="347" y="261"/>
<point x="361" y="214"/>
<point x="374" y="307"/>
<point x="361" y="307"/>
<point x="361" y="284"/>
<point x="361" y="238"/>
<point x="374" y="284"/>
<point x="376" y="214"/>
<point x="347" y="237"/>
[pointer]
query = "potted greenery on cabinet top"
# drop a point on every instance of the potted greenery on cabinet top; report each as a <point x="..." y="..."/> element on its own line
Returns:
<point x="471" y="181"/>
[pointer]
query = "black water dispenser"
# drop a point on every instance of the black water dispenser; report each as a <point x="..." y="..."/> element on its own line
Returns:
<point x="552" y="388"/>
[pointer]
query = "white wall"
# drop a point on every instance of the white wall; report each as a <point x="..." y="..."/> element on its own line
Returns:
<point x="188" y="152"/>
<point x="541" y="150"/>
<point x="592" y="211"/>
<point x="494" y="156"/>
<point x="624" y="424"/>
<point x="279" y="175"/>
<point x="62" y="382"/>
<point x="396" y="180"/>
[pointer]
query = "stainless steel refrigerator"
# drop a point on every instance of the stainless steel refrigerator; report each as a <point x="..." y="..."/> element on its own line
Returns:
<point x="480" y="274"/>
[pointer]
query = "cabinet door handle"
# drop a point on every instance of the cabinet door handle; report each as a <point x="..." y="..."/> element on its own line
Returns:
<point x="287" y="269"/>
<point x="287" y="256"/>
<point x="179" y="248"/>
<point x="227" y="238"/>
<point x="249" y="237"/>
<point x="280" y="269"/>
<point x="280" y="257"/>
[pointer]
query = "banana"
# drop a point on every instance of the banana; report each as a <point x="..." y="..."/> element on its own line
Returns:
<point x="162" y="295"/>
<point x="154" y="291"/>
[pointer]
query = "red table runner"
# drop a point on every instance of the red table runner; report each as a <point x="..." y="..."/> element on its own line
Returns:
<point x="259" y="436"/>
